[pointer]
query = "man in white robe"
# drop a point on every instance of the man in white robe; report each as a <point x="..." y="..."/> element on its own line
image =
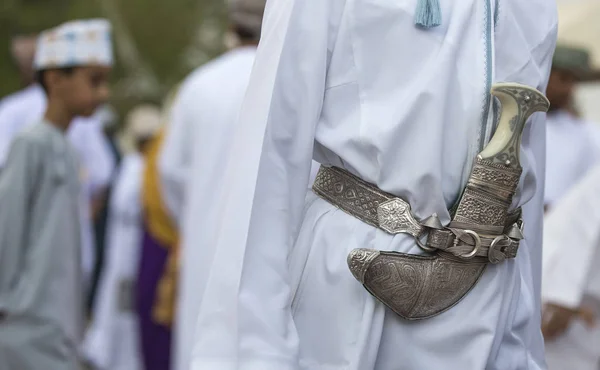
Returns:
<point x="571" y="284"/>
<point x="112" y="341"/>
<point x="356" y="84"/>
<point x="26" y="107"/>
<point x="572" y="146"/>
<point x="204" y="118"/>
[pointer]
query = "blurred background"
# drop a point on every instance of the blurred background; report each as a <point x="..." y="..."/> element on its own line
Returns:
<point x="579" y="26"/>
<point x="157" y="42"/>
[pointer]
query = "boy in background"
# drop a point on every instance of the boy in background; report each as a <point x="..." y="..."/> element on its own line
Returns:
<point x="41" y="292"/>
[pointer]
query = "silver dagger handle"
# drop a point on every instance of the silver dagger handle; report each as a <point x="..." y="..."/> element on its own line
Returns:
<point x="518" y="102"/>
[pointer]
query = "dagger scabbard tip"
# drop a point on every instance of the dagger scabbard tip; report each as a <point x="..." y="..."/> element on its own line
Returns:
<point x="359" y="261"/>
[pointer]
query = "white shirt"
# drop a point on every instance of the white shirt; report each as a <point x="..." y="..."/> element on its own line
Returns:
<point x="203" y="123"/>
<point x="571" y="151"/>
<point x="204" y="119"/>
<point x="112" y="340"/>
<point x="571" y="277"/>
<point x="355" y="84"/>
<point x="571" y="244"/>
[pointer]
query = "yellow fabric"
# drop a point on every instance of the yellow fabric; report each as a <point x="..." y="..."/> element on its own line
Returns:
<point x="162" y="228"/>
<point x="159" y="222"/>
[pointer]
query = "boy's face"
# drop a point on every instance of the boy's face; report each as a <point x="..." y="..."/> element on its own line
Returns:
<point x="84" y="90"/>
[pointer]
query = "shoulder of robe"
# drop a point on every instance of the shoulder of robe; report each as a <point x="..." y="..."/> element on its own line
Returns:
<point x="27" y="147"/>
<point x="518" y="14"/>
<point x="21" y="101"/>
<point x="192" y="85"/>
<point x="206" y="77"/>
<point x="15" y="99"/>
<point x="11" y="108"/>
<point x="36" y="139"/>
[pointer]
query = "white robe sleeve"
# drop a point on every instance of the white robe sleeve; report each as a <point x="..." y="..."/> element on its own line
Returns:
<point x="246" y="316"/>
<point x="571" y="237"/>
<point x="174" y="161"/>
<point x="533" y="156"/>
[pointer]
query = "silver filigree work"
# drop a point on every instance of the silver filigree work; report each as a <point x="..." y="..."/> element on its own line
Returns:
<point x="359" y="261"/>
<point x="419" y="287"/>
<point x="395" y="217"/>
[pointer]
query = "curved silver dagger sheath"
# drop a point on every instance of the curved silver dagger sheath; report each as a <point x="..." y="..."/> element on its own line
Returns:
<point x="418" y="287"/>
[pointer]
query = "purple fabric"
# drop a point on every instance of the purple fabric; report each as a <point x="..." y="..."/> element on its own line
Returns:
<point x="156" y="339"/>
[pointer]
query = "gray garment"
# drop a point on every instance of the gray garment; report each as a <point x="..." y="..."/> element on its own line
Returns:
<point x="40" y="271"/>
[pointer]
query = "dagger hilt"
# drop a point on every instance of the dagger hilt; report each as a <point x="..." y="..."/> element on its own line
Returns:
<point x="497" y="170"/>
<point x="518" y="103"/>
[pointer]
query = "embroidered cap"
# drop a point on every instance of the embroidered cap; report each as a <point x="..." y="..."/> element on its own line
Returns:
<point x="75" y="43"/>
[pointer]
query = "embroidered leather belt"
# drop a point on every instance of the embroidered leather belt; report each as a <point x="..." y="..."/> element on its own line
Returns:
<point x="482" y="230"/>
<point x="393" y="215"/>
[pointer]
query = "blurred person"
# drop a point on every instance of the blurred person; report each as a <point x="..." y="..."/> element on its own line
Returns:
<point x="26" y="107"/>
<point x="204" y="119"/>
<point x="113" y="339"/>
<point x="395" y="95"/>
<point x="108" y="120"/>
<point x="572" y="144"/>
<point x="23" y="51"/>
<point x="571" y="279"/>
<point x="157" y="271"/>
<point x="41" y="291"/>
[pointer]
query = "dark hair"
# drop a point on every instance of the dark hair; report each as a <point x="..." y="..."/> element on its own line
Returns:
<point x="40" y="75"/>
<point x="245" y="34"/>
<point x="144" y="142"/>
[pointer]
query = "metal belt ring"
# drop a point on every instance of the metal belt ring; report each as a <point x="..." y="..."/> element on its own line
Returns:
<point x="424" y="246"/>
<point x="495" y="256"/>
<point x="476" y="239"/>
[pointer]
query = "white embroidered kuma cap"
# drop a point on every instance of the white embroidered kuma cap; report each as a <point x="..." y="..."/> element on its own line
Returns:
<point x="75" y="43"/>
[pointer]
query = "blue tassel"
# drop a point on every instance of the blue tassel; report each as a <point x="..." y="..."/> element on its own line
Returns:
<point x="428" y="13"/>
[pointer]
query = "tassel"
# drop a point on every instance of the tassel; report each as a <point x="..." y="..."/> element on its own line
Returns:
<point x="428" y="13"/>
